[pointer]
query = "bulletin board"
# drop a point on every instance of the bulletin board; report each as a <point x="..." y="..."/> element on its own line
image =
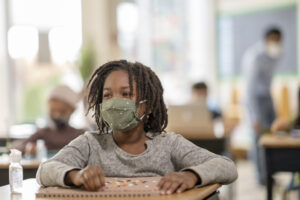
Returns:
<point x="237" y="32"/>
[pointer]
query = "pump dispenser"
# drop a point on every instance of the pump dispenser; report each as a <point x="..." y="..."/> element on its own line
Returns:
<point x="15" y="171"/>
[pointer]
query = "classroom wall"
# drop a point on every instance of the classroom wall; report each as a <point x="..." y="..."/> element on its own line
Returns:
<point x="99" y="27"/>
<point x="246" y="5"/>
<point x="236" y="6"/>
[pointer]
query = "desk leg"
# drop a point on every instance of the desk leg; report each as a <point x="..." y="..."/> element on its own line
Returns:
<point x="269" y="186"/>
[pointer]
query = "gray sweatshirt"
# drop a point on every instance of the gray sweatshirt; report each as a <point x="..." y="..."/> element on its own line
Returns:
<point x="165" y="153"/>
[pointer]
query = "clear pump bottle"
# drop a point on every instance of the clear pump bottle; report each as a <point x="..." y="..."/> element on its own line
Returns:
<point x="15" y="171"/>
<point x="41" y="150"/>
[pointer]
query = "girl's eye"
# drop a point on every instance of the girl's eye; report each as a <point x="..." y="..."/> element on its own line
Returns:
<point x="106" y="95"/>
<point x="125" y="94"/>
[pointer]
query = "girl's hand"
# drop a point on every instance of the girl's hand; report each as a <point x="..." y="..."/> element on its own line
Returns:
<point x="177" y="182"/>
<point x="91" y="177"/>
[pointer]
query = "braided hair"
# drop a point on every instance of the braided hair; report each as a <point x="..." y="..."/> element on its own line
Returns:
<point x="148" y="87"/>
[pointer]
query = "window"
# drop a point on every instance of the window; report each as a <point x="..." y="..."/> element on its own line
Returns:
<point x="44" y="42"/>
<point x="23" y="42"/>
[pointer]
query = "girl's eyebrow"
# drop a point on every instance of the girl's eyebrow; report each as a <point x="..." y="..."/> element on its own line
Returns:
<point x="124" y="87"/>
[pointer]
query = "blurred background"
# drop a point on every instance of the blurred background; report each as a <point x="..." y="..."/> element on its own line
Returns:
<point x="44" y="43"/>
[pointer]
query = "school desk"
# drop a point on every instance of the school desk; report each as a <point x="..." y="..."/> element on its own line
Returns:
<point x="208" y="140"/>
<point x="282" y="155"/>
<point x="29" y="170"/>
<point x="30" y="187"/>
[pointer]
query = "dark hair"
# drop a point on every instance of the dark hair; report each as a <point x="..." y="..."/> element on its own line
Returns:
<point x="273" y="31"/>
<point x="148" y="87"/>
<point x="199" y="86"/>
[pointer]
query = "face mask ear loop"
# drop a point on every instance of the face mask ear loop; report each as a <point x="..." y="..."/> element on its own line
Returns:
<point x="141" y="118"/>
<point x="135" y="114"/>
<point x="107" y="126"/>
<point x="143" y="101"/>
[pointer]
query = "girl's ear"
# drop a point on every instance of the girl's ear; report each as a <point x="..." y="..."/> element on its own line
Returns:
<point x="149" y="111"/>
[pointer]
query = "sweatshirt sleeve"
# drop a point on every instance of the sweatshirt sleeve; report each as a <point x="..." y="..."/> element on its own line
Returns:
<point x="73" y="156"/>
<point x="211" y="168"/>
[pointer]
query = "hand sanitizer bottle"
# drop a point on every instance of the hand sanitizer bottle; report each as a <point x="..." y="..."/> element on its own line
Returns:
<point x="41" y="150"/>
<point x="15" y="171"/>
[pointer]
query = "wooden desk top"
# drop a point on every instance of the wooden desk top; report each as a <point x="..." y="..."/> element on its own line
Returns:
<point x="30" y="187"/>
<point x="27" y="164"/>
<point x="275" y="141"/>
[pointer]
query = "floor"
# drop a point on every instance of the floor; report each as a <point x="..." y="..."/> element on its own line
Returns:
<point x="246" y="188"/>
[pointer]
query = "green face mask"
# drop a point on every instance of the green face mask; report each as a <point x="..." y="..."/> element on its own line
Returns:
<point x="120" y="114"/>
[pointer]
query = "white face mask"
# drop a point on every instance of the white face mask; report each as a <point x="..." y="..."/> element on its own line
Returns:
<point x="273" y="49"/>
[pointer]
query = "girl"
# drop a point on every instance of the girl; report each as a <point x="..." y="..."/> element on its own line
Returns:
<point x="128" y="105"/>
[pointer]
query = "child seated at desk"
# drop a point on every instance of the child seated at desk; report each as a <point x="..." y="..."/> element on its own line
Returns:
<point x="286" y="125"/>
<point x="200" y="94"/>
<point x="62" y="102"/>
<point x="128" y="105"/>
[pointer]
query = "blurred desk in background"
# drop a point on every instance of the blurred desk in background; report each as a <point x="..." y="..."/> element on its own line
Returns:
<point x="29" y="170"/>
<point x="225" y="127"/>
<point x="208" y="138"/>
<point x="196" y="123"/>
<point x="17" y="132"/>
<point x="282" y="155"/>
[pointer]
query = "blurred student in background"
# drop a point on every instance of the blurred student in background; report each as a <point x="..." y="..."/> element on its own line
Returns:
<point x="259" y="63"/>
<point x="199" y="95"/>
<point x="61" y="104"/>
<point x="285" y="124"/>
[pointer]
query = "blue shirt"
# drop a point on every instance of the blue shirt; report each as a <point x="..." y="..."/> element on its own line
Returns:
<point x="259" y="69"/>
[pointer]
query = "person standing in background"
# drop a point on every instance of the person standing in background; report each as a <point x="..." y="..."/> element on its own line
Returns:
<point x="259" y="64"/>
<point x="61" y="104"/>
